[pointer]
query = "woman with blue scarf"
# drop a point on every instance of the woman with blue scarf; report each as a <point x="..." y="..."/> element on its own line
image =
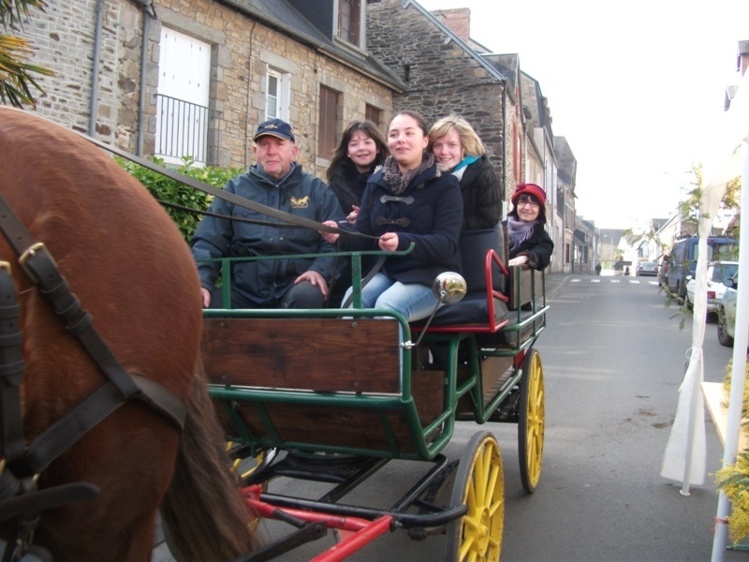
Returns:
<point x="530" y="244"/>
<point x="458" y="148"/>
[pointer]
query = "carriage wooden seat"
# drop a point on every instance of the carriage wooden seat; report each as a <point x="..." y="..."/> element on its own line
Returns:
<point x="497" y="297"/>
<point x="503" y="312"/>
<point x="331" y="383"/>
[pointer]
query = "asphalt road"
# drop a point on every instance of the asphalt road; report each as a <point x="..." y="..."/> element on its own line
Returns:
<point x="613" y="356"/>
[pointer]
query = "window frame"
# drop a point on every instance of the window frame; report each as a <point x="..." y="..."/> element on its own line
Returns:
<point x="282" y="95"/>
<point x="328" y="103"/>
<point x="356" y="16"/>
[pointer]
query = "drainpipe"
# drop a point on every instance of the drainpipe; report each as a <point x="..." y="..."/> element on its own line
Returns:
<point x="94" y="101"/>
<point x="148" y="13"/>
<point x="502" y="158"/>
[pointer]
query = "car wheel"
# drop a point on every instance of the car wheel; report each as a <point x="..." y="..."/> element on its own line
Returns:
<point x="723" y="336"/>
<point x="681" y="292"/>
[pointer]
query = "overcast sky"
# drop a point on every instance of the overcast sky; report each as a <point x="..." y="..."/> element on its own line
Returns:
<point x="635" y="87"/>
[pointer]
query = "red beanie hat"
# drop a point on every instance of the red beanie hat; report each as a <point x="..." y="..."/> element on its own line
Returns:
<point x="531" y="189"/>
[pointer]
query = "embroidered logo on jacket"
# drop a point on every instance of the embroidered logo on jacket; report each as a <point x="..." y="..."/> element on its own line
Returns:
<point x="301" y="203"/>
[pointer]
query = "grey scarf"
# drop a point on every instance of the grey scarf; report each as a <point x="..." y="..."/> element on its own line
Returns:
<point x="519" y="231"/>
<point x="398" y="182"/>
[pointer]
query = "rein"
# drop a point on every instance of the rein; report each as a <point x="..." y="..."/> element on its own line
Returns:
<point x="287" y="218"/>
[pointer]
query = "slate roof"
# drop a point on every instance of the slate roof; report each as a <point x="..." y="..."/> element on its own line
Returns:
<point x="282" y="16"/>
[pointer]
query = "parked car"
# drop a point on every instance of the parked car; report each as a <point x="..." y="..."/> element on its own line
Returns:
<point x="719" y="273"/>
<point x="682" y="259"/>
<point x="647" y="268"/>
<point x="663" y="271"/>
<point x="727" y="313"/>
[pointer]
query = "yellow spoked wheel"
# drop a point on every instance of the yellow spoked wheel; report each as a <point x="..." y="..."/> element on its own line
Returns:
<point x="532" y="419"/>
<point x="479" y="484"/>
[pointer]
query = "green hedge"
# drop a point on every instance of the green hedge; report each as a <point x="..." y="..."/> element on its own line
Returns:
<point x="171" y="191"/>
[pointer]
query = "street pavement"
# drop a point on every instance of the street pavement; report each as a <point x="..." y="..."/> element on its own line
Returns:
<point x="555" y="282"/>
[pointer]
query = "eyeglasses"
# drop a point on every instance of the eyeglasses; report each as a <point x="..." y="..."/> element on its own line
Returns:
<point x="527" y="200"/>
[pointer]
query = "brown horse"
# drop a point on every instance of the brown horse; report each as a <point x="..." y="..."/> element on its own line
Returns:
<point x="127" y="263"/>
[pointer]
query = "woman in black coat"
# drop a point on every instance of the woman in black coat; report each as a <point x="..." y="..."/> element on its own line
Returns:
<point x="408" y="201"/>
<point x="362" y="150"/>
<point x="459" y="149"/>
<point x="529" y="242"/>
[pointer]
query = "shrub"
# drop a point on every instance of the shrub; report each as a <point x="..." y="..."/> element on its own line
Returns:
<point x="733" y="479"/>
<point x="167" y="190"/>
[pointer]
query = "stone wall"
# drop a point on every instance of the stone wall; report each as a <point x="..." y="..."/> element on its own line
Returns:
<point x="242" y="49"/>
<point x="442" y="78"/>
<point x="63" y="38"/>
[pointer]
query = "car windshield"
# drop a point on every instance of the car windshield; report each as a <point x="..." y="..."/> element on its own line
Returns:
<point x="723" y="271"/>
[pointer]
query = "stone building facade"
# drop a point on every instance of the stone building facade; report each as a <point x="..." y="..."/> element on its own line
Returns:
<point x="245" y="40"/>
<point x="109" y="81"/>
<point x="543" y="166"/>
<point x="444" y="75"/>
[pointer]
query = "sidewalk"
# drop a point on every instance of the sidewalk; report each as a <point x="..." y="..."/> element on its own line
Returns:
<point x="555" y="282"/>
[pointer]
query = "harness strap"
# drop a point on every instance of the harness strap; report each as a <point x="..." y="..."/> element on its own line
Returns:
<point x="47" y="499"/>
<point x="11" y="373"/>
<point x="42" y="271"/>
<point x="58" y="437"/>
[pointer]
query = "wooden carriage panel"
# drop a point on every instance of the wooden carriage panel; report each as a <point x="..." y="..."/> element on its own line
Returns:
<point x="495" y="371"/>
<point x="320" y="354"/>
<point x="523" y="283"/>
<point x="331" y="425"/>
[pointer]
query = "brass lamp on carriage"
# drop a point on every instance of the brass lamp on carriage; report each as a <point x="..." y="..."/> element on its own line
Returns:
<point x="449" y="288"/>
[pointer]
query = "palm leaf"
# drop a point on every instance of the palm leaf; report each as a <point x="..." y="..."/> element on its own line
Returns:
<point x="15" y="73"/>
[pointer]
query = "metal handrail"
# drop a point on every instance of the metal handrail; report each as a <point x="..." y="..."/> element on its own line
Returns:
<point x="182" y="129"/>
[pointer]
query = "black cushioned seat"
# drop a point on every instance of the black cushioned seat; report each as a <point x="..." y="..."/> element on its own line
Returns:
<point x="474" y="309"/>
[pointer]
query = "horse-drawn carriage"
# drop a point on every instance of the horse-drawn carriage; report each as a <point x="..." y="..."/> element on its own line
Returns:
<point x="333" y="395"/>
<point x="105" y="418"/>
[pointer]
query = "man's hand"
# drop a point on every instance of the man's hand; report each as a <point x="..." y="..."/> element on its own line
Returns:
<point x="206" y="296"/>
<point x="315" y="279"/>
<point x="329" y="237"/>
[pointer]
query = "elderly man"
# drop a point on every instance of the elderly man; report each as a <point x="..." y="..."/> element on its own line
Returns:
<point x="276" y="181"/>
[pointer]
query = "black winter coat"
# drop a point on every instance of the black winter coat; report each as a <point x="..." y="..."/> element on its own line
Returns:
<point x="428" y="213"/>
<point x="263" y="281"/>
<point x="348" y="184"/>
<point x="538" y="247"/>
<point x="482" y="195"/>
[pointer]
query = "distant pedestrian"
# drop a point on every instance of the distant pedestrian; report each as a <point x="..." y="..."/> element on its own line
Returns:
<point x="598" y="269"/>
<point x="626" y="270"/>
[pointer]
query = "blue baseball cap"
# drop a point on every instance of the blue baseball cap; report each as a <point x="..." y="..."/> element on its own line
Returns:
<point x="275" y="128"/>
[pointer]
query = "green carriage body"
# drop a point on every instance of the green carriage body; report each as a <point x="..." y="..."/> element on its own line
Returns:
<point x="350" y="381"/>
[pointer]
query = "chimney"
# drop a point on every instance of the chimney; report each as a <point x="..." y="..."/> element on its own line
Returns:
<point x="743" y="62"/>
<point x="457" y="20"/>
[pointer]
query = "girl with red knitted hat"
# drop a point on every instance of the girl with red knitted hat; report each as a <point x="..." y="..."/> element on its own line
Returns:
<point x="529" y="242"/>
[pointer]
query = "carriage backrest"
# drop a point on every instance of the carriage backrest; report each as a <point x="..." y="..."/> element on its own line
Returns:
<point x="474" y="244"/>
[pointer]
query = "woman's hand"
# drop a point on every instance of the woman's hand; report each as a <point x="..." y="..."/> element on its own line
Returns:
<point x="389" y="242"/>
<point x="330" y="237"/>
<point x="351" y="217"/>
<point x="205" y="296"/>
<point x="518" y="260"/>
